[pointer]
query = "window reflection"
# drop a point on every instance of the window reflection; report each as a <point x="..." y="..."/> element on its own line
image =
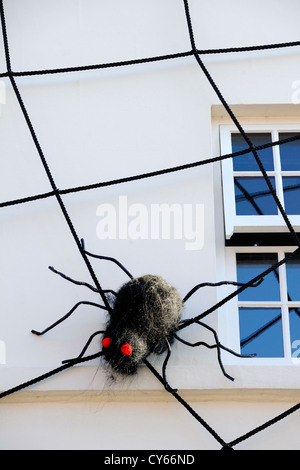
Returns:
<point x="291" y="191"/>
<point x="261" y="331"/>
<point x="247" y="162"/>
<point x="290" y="152"/>
<point x="253" y="196"/>
<point x="250" y="265"/>
<point x="293" y="278"/>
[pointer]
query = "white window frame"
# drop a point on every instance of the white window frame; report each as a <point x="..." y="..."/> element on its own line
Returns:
<point x="254" y="223"/>
<point x="229" y="316"/>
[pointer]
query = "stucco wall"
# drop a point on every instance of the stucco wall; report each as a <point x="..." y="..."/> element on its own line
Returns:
<point x="100" y="125"/>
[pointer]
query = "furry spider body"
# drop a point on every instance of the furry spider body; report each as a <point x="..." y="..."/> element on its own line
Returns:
<point x="145" y="317"/>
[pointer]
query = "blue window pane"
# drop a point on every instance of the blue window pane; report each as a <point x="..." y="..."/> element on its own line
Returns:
<point x="295" y="331"/>
<point x="291" y="191"/>
<point x="261" y="332"/>
<point x="247" y="162"/>
<point x="250" y="265"/>
<point x="289" y="153"/>
<point x="293" y="278"/>
<point x="253" y="196"/>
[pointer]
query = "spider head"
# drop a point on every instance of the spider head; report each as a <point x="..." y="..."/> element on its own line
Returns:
<point x="124" y="351"/>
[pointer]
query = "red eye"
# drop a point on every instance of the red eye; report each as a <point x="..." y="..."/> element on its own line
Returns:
<point x="106" y="342"/>
<point x="126" y="349"/>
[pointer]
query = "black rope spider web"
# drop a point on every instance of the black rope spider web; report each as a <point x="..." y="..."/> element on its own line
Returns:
<point x="58" y="193"/>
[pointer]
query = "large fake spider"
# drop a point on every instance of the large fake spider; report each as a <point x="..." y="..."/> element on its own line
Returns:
<point x="144" y="318"/>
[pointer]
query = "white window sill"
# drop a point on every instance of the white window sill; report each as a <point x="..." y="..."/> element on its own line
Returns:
<point x="260" y="224"/>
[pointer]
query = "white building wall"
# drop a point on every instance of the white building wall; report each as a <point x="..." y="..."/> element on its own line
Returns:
<point x="100" y="125"/>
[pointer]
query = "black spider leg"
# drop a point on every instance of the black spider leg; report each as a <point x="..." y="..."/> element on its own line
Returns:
<point x="217" y="284"/>
<point x="217" y="345"/>
<point x="83" y="302"/>
<point x="164" y="368"/>
<point x="78" y="283"/>
<point x="107" y="258"/>
<point x="75" y="359"/>
<point x="67" y="315"/>
<point x="89" y="286"/>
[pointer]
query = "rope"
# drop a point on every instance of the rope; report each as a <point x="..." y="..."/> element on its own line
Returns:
<point x="264" y="426"/>
<point x="241" y="289"/>
<point x="44" y="161"/>
<point x="237" y="123"/>
<point x="49" y="374"/>
<point x="129" y="179"/>
<point x="146" y="60"/>
<point x="186" y="405"/>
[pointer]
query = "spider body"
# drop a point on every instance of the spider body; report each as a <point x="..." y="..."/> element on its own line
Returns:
<point x="145" y="317"/>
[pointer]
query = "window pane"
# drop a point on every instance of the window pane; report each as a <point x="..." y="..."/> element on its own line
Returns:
<point x="295" y="331"/>
<point x="261" y="332"/>
<point x="291" y="191"/>
<point x="250" y="265"/>
<point x="253" y="196"/>
<point x="289" y="153"/>
<point x="247" y="162"/>
<point x="293" y="278"/>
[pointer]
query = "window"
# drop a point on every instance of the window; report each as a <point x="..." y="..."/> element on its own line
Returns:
<point x="248" y="203"/>
<point x="269" y="314"/>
